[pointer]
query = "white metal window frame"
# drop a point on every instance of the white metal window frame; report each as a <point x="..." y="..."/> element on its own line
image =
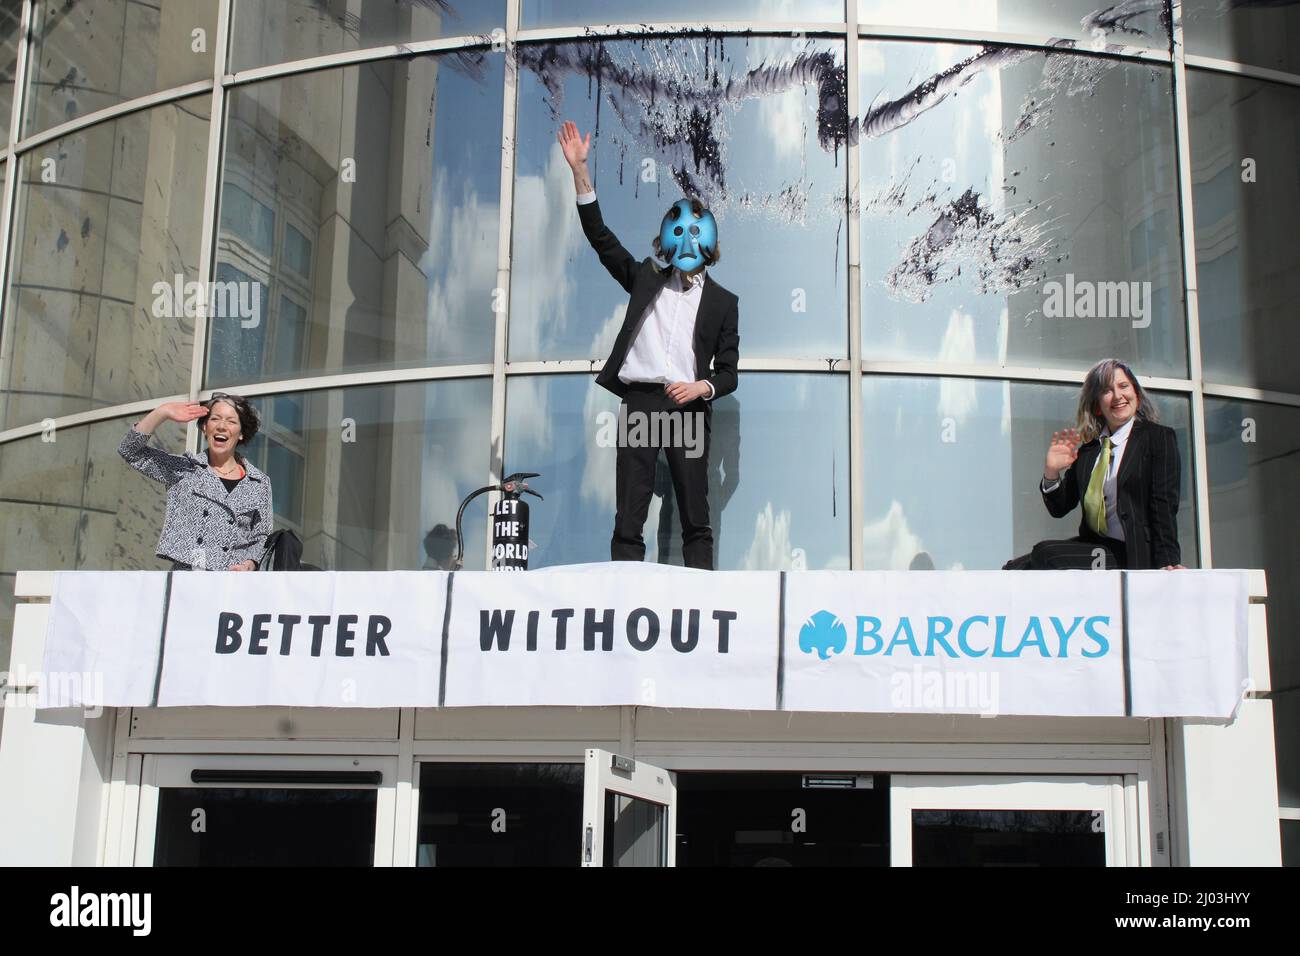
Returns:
<point x="1145" y="764"/>
<point x="1113" y="797"/>
<point x="644" y="782"/>
<point x="163" y="771"/>
<point x="133" y="818"/>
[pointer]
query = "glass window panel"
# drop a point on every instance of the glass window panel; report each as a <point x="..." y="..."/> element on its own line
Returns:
<point x="11" y="18"/>
<point x="1246" y="200"/>
<point x="768" y="508"/>
<point x="237" y="346"/>
<point x="290" y="334"/>
<point x="1286" y="728"/>
<point x="68" y="501"/>
<point x="499" y="814"/>
<point x="1253" y="461"/>
<point x="390" y="175"/>
<point x="1291" y="842"/>
<point x="265" y="827"/>
<point x="297" y="252"/>
<point x="1260" y="32"/>
<point x="743" y="819"/>
<point x="1090" y="23"/>
<point x="965" y="494"/>
<point x="246" y="220"/>
<point x="107" y="223"/>
<point x="363" y="475"/>
<point x="278" y="31"/>
<point x="634" y="831"/>
<point x="559" y="13"/>
<point x="768" y="160"/>
<point x="1018" y="208"/>
<point x="1007" y="838"/>
<point x="92" y="54"/>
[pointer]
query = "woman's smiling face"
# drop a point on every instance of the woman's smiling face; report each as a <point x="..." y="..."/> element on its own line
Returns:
<point x="221" y="427"/>
<point x="1119" y="403"/>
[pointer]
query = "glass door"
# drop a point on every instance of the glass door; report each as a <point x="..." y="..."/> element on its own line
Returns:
<point x="629" y="812"/>
<point x="225" y="810"/>
<point x="974" y="820"/>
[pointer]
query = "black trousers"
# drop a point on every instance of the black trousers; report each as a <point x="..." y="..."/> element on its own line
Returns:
<point x="656" y="423"/>
<point x="1079" y="553"/>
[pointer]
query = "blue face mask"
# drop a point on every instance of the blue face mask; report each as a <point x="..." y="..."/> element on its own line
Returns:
<point x="688" y="240"/>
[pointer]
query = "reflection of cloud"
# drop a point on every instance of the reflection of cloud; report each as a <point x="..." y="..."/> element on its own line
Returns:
<point x="889" y="543"/>
<point x="542" y="290"/>
<point x="783" y="117"/>
<point x="871" y="61"/>
<point x="461" y="269"/>
<point x="957" y="398"/>
<point x="771" y="549"/>
<point x="602" y="343"/>
<point x="597" y="485"/>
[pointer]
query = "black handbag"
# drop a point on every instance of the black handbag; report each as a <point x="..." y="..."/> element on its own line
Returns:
<point x="283" y="553"/>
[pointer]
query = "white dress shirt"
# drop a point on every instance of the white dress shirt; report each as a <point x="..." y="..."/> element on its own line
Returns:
<point x="664" y="348"/>
<point x="1118" y="442"/>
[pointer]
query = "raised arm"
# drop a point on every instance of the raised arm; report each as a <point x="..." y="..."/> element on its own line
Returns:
<point x="1060" y="490"/>
<point x="617" y="260"/>
<point x="154" y="462"/>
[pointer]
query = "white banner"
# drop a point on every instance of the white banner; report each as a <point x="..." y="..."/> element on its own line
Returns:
<point x="1188" y="638"/>
<point x="302" y="639"/>
<point x="950" y="642"/>
<point x="101" y="643"/>
<point x="616" y="635"/>
<point x="954" y="642"/>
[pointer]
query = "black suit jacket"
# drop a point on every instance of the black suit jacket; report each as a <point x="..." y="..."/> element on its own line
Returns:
<point x="1147" y="494"/>
<point x="717" y="336"/>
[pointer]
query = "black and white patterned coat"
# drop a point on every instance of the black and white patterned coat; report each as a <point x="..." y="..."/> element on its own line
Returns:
<point x="205" y="526"/>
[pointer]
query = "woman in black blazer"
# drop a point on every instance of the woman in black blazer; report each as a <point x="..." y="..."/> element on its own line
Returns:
<point x="1123" y="468"/>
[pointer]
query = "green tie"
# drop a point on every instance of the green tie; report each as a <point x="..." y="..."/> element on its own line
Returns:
<point x="1094" y="501"/>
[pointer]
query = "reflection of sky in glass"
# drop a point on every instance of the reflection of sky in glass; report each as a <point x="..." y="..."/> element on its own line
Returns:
<point x="1102" y="22"/>
<point x="411" y="454"/>
<point x="773" y="170"/>
<point x="1034" y="168"/>
<point x="778" y="462"/>
<point x="427" y="188"/>
<point x="550" y="13"/>
<point x="461" y="262"/>
<point x="964" y="487"/>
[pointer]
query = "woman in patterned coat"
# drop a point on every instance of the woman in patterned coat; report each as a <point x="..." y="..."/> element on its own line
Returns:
<point x="218" y="503"/>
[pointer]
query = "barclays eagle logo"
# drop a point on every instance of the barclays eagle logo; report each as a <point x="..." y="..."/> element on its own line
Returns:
<point x="823" y="633"/>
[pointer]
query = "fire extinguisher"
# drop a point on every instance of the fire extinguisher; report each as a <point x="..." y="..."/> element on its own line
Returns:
<point x="509" y="523"/>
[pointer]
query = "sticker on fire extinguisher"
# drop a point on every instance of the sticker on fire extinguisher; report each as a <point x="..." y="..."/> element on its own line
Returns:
<point x="510" y="535"/>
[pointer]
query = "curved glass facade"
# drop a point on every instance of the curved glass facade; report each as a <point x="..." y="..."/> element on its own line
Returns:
<point x="936" y="217"/>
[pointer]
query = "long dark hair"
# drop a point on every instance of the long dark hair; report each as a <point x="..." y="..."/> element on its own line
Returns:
<point x="249" y="420"/>
<point x="1099" y="378"/>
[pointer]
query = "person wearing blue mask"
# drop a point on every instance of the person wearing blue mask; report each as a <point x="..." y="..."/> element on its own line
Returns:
<point x="676" y="353"/>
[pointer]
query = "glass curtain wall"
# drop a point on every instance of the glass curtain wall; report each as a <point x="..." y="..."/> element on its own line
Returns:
<point x="935" y="216"/>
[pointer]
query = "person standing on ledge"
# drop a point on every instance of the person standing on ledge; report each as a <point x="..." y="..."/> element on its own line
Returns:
<point x="678" y="322"/>
<point x="218" y="503"/>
